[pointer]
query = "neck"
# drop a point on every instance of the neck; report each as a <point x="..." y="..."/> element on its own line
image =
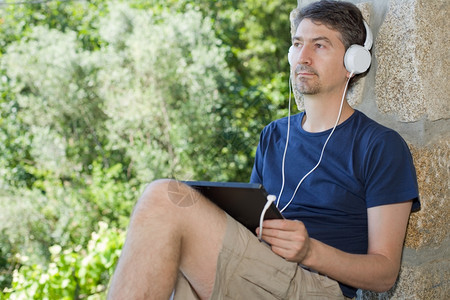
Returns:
<point x="321" y="112"/>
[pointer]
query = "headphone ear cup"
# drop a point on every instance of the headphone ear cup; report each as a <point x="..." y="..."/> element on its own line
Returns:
<point x="290" y="55"/>
<point x="357" y="59"/>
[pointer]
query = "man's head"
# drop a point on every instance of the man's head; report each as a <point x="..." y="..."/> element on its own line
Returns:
<point x="343" y="17"/>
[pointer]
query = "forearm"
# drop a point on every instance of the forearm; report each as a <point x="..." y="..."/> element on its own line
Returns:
<point x="374" y="272"/>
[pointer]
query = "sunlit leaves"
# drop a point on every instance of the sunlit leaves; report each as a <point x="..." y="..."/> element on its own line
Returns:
<point x="97" y="98"/>
<point x="74" y="273"/>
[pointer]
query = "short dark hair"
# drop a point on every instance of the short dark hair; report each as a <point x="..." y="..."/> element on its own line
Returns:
<point x="341" y="16"/>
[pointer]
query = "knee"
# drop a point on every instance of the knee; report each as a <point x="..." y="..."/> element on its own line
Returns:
<point x="157" y="189"/>
<point x="166" y="195"/>
<point x="155" y="194"/>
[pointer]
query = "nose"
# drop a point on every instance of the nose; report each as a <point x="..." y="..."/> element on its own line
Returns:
<point x="304" y="55"/>
<point x="299" y="55"/>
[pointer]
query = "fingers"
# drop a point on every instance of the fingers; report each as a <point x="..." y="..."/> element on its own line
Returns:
<point x="285" y="226"/>
<point x="284" y="239"/>
<point x="281" y="229"/>
<point x="288" y="225"/>
<point x="289" y="239"/>
<point x="292" y="249"/>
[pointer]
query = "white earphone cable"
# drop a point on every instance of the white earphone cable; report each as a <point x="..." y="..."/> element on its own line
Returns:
<point x="321" y="154"/>
<point x="272" y="198"/>
<point x="283" y="179"/>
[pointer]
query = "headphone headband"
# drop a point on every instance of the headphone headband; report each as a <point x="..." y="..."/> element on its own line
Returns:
<point x="369" y="37"/>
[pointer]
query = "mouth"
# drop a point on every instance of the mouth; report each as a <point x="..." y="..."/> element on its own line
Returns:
<point x="305" y="74"/>
<point x="304" y="71"/>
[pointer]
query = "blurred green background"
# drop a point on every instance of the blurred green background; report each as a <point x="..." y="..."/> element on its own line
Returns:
<point x="98" y="98"/>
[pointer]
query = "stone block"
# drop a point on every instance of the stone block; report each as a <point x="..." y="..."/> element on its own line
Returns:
<point x="425" y="281"/>
<point x="413" y="62"/>
<point x="429" y="227"/>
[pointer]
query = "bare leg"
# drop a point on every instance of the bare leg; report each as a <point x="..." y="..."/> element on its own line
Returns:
<point x="172" y="228"/>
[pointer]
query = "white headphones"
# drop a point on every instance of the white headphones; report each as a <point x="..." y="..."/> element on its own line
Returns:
<point x="357" y="58"/>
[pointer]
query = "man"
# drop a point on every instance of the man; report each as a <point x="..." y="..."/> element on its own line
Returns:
<point x="345" y="226"/>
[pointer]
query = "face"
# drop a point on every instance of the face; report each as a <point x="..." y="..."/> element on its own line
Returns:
<point x="318" y="59"/>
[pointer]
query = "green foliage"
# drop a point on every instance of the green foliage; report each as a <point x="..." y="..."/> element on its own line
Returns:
<point x="73" y="273"/>
<point x="110" y="195"/>
<point x="257" y="36"/>
<point x="15" y="144"/>
<point x="98" y="98"/>
<point x="61" y="213"/>
<point x="18" y="22"/>
<point x="66" y="96"/>
<point x="162" y="89"/>
<point x="81" y="16"/>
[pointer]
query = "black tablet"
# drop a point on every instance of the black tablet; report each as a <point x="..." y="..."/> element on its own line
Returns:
<point x="243" y="201"/>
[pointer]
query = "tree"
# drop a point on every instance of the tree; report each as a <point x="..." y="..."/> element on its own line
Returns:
<point x="98" y="98"/>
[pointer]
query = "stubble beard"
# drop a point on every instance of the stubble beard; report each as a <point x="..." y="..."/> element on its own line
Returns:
<point x="305" y="87"/>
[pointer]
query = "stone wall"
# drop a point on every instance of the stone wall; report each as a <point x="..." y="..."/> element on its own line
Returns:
<point x="408" y="89"/>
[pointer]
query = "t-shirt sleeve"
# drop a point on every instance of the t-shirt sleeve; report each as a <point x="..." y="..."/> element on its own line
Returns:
<point x="389" y="171"/>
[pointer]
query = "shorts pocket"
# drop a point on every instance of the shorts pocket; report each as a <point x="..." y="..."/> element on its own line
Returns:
<point x="261" y="275"/>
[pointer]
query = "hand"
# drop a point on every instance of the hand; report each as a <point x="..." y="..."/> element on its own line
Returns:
<point x="288" y="238"/>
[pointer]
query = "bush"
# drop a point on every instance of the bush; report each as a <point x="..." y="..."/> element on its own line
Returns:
<point x="98" y="98"/>
<point x="72" y="273"/>
<point x="60" y="213"/>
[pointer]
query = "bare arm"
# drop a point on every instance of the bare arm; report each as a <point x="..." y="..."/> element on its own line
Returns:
<point x="376" y="271"/>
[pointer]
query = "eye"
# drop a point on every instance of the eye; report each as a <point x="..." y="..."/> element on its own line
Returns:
<point x="320" y="46"/>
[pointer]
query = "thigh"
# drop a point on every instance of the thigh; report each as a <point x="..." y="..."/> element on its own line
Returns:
<point x="172" y="217"/>
<point x="203" y="229"/>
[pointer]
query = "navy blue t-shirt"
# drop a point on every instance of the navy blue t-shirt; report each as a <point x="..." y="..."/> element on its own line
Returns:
<point x="364" y="165"/>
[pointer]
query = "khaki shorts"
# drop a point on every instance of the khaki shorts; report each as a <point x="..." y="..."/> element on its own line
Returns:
<point x="248" y="269"/>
